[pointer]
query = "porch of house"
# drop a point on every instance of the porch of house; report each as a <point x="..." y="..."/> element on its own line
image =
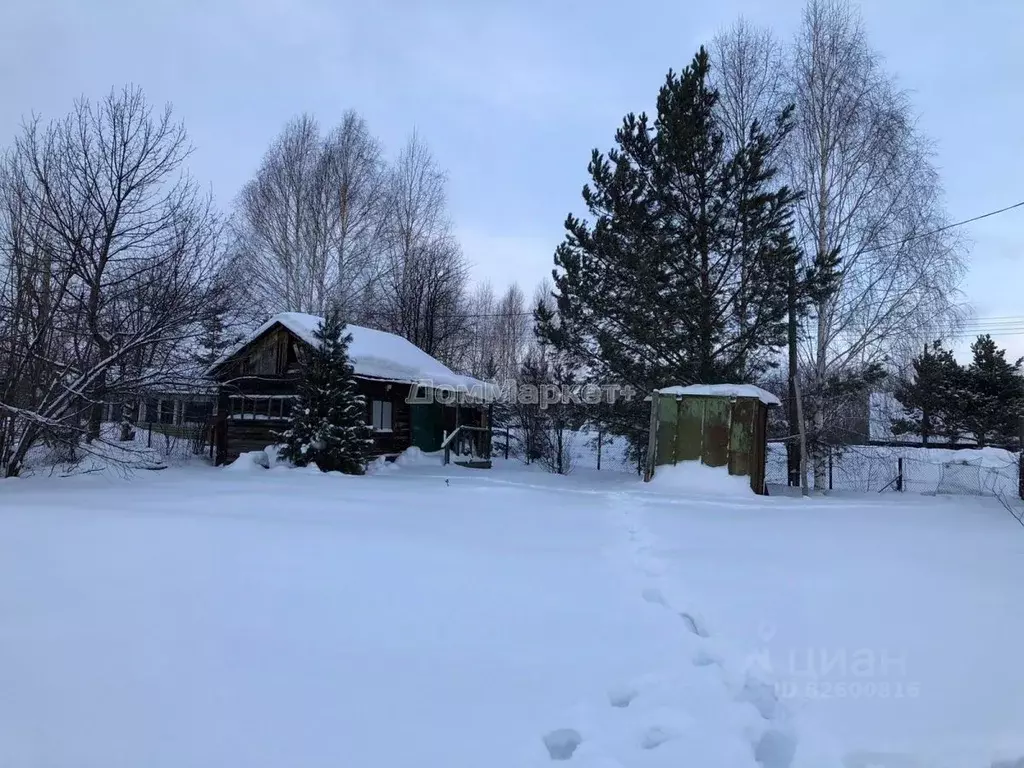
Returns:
<point x="462" y="431"/>
<point x="176" y="415"/>
<point x="250" y="421"/>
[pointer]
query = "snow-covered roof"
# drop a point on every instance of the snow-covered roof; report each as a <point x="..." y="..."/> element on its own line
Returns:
<point x="375" y="355"/>
<point x="721" y="390"/>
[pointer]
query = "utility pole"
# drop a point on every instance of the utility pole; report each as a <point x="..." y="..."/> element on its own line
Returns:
<point x="1020" y="462"/>
<point x="805" y="491"/>
<point x="794" y="451"/>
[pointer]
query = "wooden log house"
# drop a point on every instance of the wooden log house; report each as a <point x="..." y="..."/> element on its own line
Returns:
<point x="412" y="399"/>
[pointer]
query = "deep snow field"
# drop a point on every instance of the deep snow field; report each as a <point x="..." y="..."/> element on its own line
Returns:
<point x="429" y="617"/>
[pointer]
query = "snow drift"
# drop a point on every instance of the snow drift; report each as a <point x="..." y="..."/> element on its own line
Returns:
<point x="250" y="461"/>
<point x="692" y="477"/>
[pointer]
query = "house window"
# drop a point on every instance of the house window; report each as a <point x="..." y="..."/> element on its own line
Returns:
<point x="273" y="407"/>
<point x="196" y="412"/>
<point x="381" y="414"/>
<point x="165" y="409"/>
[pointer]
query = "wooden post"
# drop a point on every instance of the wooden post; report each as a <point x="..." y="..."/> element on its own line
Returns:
<point x="600" y="439"/>
<point x="223" y="409"/>
<point x="489" y="438"/>
<point x="507" y="437"/>
<point x="652" y="437"/>
<point x="804" y="490"/>
<point x="899" y="477"/>
<point x="830" y="468"/>
<point x="1020" y="462"/>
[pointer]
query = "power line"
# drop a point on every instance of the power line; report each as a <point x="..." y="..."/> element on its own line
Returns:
<point x="954" y="225"/>
<point x="871" y="249"/>
<point x="992" y="326"/>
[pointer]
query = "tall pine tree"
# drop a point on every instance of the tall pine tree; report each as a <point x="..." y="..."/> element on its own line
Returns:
<point x="996" y="394"/>
<point x="933" y="399"/>
<point x="328" y="425"/>
<point x="683" y="274"/>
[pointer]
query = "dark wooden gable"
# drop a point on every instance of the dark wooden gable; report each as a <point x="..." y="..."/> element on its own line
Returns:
<point x="274" y="353"/>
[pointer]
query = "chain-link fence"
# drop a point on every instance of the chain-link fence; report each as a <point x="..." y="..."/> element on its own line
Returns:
<point x="174" y="439"/>
<point x="869" y="468"/>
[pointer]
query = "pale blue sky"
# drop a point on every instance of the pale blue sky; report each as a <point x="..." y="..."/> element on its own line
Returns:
<point x="511" y="96"/>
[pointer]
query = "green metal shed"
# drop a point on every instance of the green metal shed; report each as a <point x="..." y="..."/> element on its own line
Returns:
<point x="720" y="425"/>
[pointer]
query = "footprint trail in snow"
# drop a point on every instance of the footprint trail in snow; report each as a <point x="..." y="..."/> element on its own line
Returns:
<point x="701" y="711"/>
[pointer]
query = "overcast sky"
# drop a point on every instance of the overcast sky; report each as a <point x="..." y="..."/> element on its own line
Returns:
<point x="511" y="96"/>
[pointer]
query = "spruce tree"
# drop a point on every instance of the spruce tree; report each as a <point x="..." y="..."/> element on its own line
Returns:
<point x="527" y="414"/>
<point x="683" y="274"/>
<point x="933" y="399"/>
<point x="995" y="399"/>
<point x="328" y="423"/>
<point x="216" y="339"/>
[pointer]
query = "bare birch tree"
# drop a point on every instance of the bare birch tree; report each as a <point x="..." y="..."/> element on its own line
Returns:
<point x="480" y="332"/>
<point x="748" y="68"/>
<point x="747" y="62"/>
<point x="422" y="292"/>
<point x="498" y="332"/>
<point x="512" y="332"/>
<point x="872" y="198"/>
<point x="308" y="226"/>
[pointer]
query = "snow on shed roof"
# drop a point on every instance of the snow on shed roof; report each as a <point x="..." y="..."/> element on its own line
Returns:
<point x="374" y="354"/>
<point x="722" y="390"/>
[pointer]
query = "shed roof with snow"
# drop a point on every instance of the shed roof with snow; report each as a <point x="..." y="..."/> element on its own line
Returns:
<point x="721" y="390"/>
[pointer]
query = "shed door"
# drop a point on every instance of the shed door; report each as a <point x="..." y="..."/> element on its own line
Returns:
<point x="716" y="431"/>
<point x="689" y="435"/>
<point x="741" y="438"/>
<point x="667" y="415"/>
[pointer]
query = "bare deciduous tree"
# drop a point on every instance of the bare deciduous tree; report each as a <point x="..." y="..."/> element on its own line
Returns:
<point x="746" y="65"/>
<point x="498" y="332"/>
<point x="480" y="332"/>
<point x="108" y="254"/>
<point x="308" y="226"/>
<point x="748" y="68"/>
<point x="512" y="332"/>
<point x="872" y="197"/>
<point x="422" y="292"/>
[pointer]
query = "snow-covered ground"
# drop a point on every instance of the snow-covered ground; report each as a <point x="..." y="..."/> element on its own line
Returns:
<point x="149" y="448"/>
<point x="430" y="616"/>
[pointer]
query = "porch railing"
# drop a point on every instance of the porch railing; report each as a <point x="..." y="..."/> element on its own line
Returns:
<point x="467" y="442"/>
